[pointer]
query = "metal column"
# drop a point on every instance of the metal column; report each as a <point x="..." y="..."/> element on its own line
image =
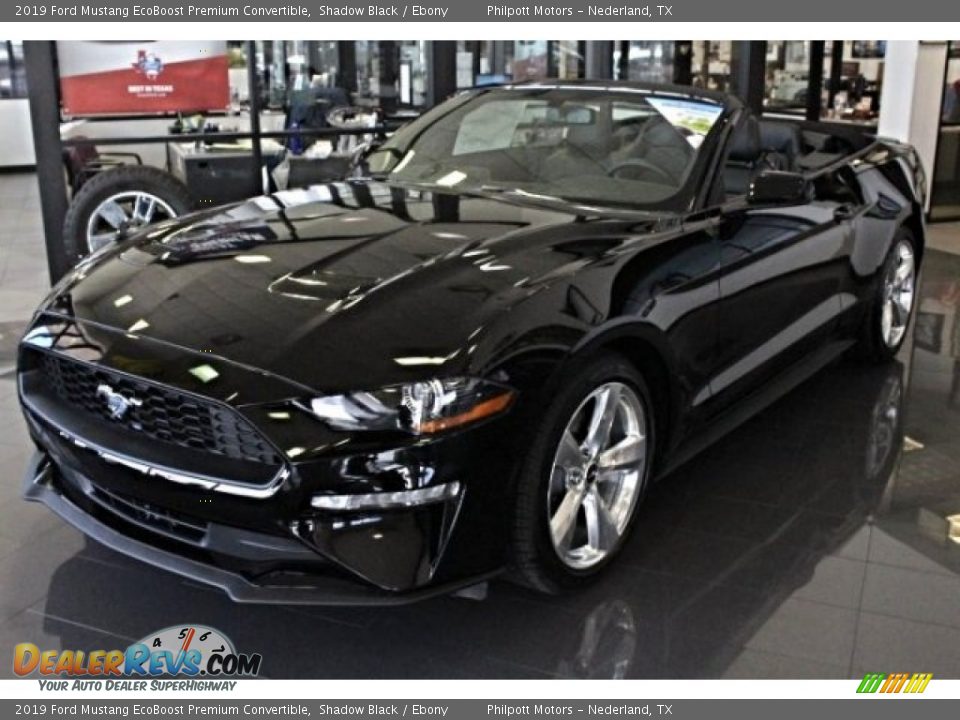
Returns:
<point x="389" y="65"/>
<point x="836" y="71"/>
<point x="683" y="62"/>
<point x="43" y="91"/>
<point x="347" y="65"/>
<point x="815" y="83"/>
<point x="749" y="72"/>
<point x="441" y="71"/>
<point x="599" y="59"/>
<point x="253" y="90"/>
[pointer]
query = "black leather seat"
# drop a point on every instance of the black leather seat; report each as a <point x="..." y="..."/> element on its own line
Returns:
<point x="782" y="144"/>
<point x="744" y="157"/>
<point x="581" y="152"/>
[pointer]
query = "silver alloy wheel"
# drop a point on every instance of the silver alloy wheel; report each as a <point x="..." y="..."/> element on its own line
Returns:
<point x="884" y="426"/>
<point x="898" y="294"/>
<point x="597" y="474"/>
<point x="123" y="212"/>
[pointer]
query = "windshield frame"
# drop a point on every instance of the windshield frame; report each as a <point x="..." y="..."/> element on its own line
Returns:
<point x="687" y="196"/>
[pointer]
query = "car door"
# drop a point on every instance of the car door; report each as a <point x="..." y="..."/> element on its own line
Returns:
<point x="780" y="271"/>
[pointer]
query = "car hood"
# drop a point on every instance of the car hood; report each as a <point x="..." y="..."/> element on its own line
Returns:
<point x="338" y="285"/>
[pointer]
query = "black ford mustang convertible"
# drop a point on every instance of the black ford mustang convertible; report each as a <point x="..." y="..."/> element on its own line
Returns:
<point x="478" y="356"/>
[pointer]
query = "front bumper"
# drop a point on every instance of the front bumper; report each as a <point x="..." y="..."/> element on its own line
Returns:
<point x="300" y="505"/>
<point x="44" y="483"/>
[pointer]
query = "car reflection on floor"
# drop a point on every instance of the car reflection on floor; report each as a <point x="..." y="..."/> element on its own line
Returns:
<point x="720" y="548"/>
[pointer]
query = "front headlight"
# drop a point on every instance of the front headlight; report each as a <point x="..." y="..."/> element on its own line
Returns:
<point x="421" y="408"/>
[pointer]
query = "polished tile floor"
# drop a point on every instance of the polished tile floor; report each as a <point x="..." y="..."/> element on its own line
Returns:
<point x="813" y="542"/>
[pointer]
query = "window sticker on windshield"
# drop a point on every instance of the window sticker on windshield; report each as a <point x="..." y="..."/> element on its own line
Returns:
<point x="693" y="119"/>
<point x="490" y="126"/>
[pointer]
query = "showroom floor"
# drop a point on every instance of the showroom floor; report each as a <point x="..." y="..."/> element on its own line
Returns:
<point x="806" y="544"/>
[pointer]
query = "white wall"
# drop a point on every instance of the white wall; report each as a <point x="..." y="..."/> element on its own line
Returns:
<point x="16" y="134"/>
<point x="912" y="94"/>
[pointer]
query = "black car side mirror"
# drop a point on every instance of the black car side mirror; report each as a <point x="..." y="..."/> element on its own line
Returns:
<point x="774" y="187"/>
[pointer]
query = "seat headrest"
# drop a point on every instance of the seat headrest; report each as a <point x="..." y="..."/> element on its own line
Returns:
<point x="584" y="137"/>
<point x="780" y="137"/>
<point x="581" y="133"/>
<point x="745" y="144"/>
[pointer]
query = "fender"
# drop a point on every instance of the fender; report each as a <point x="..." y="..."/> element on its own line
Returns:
<point x="647" y="348"/>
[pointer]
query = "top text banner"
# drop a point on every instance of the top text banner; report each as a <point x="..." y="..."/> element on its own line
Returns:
<point x="473" y="11"/>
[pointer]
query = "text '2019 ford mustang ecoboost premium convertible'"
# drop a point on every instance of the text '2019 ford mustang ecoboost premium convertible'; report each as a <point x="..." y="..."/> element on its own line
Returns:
<point x="477" y="357"/>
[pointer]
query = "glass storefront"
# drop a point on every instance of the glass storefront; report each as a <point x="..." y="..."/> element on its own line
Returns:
<point x="850" y="86"/>
<point x="16" y="146"/>
<point x="412" y="73"/>
<point x="569" y="62"/>
<point x="13" y="76"/>
<point x="945" y="199"/>
<point x="374" y="72"/>
<point x="710" y="66"/>
<point x="853" y="86"/>
<point x="530" y="60"/>
<point x="644" y="60"/>
<point x="787" y="76"/>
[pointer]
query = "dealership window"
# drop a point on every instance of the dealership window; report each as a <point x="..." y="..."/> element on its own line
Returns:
<point x="16" y="146"/>
<point x="530" y="60"/>
<point x="850" y="84"/>
<point x="853" y="81"/>
<point x="13" y="76"/>
<point x="945" y="200"/>
<point x="644" y="60"/>
<point x="542" y="59"/>
<point x="368" y="71"/>
<point x="710" y="66"/>
<point x="787" y="77"/>
<point x="567" y="59"/>
<point x="272" y="72"/>
<point x="412" y="73"/>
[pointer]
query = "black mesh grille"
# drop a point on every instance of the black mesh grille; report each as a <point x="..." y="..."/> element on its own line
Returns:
<point x="157" y="412"/>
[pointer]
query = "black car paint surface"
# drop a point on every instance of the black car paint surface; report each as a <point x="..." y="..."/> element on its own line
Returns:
<point x="366" y="283"/>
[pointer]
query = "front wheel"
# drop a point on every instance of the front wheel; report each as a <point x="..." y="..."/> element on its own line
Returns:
<point x="118" y="201"/>
<point x="887" y="320"/>
<point x="584" y="476"/>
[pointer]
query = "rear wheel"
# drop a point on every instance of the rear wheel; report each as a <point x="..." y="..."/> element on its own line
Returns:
<point x="889" y="316"/>
<point x="584" y="476"/>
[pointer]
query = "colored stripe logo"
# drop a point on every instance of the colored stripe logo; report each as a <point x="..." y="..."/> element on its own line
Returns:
<point x="894" y="683"/>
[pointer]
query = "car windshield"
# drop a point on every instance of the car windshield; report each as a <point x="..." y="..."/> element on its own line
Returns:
<point x="628" y="148"/>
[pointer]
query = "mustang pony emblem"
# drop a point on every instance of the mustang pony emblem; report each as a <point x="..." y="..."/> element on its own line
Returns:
<point x="117" y="404"/>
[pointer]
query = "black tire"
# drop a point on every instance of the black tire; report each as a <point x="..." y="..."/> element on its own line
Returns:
<point x="534" y="561"/>
<point x="103" y="185"/>
<point x="871" y="345"/>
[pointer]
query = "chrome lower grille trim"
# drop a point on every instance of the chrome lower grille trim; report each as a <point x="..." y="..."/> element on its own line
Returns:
<point x="222" y="486"/>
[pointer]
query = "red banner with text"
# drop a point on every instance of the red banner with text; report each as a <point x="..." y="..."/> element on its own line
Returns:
<point x="107" y="78"/>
